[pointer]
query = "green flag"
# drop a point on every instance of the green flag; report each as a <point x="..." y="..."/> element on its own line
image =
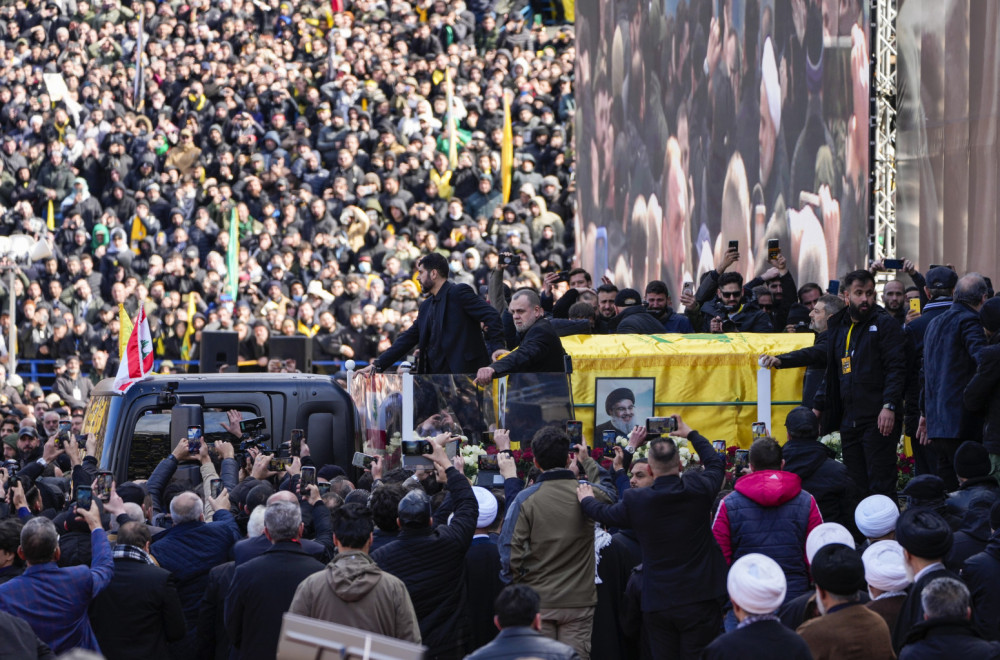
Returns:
<point x="233" y="256"/>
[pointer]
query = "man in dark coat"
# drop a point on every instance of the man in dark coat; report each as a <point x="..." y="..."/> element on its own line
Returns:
<point x="20" y="641"/>
<point x="926" y="540"/>
<point x="263" y="588"/>
<point x="863" y="392"/>
<point x="539" y="348"/>
<point x="982" y="575"/>
<point x="951" y="355"/>
<point x="431" y="560"/>
<point x="982" y="394"/>
<point x="683" y="568"/>
<point x="940" y="287"/>
<point x="756" y="586"/>
<point x="971" y="503"/>
<point x="814" y="357"/>
<point x="249" y="549"/>
<point x="139" y="613"/>
<point x="191" y="548"/>
<point x="729" y="313"/>
<point x="520" y="624"/>
<point x="946" y="631"/>
<point x="447" y="329"/>
<point x="632" y="317"/>
<point x="823" y="477"/>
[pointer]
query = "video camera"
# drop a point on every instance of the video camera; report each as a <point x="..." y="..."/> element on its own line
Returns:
<point x="254" y="433"/>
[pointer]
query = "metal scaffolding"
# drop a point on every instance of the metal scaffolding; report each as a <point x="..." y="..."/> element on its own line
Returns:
<point x="882" y="127"/>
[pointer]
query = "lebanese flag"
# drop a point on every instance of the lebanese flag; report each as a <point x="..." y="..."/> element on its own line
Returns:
<point x="137" y="362"/>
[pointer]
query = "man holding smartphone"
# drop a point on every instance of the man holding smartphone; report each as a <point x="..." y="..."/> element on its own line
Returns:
<point x="684" y="573"/>
<point x="547" y="543"/>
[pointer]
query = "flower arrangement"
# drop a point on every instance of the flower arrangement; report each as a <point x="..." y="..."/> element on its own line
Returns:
<point x="833" y="442"/>
<point x="470" y="456"/>
<point x="904" y="467"/>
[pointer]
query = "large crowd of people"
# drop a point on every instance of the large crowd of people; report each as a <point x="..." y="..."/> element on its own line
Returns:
<point x="357" y="156"/>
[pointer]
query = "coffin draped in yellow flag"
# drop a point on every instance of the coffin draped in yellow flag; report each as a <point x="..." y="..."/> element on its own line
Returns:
<point x="710" y="380"/>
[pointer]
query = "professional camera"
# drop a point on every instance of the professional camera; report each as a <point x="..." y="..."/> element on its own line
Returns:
<point x="509" y="259"/>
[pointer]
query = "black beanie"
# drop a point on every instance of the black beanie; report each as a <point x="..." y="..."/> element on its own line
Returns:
<point x="972" y="460"/>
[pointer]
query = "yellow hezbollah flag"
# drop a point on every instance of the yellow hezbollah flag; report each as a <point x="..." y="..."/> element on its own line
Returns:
<point x="125" y="331"/>
<point x="139" y="232"/>
<point x="50" y="217"/>
<point x="506" y="151"/>
<point x="710" y="380"/>
<point x="189" y="331"/>
<point x="450" y="115"/>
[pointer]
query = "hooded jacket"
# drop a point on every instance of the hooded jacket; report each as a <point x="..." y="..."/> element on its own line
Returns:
<point x="354" y="591"/>
<point x="824" y="478"/>
<point x="769" y="513"/>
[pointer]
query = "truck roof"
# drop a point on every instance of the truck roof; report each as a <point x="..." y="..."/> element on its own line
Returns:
<point x="232" y="382"/>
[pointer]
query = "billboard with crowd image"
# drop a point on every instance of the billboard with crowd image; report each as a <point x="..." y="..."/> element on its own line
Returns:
<point x="702" y="122"/>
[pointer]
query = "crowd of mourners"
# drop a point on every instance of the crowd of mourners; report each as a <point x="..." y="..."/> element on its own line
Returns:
<point x="136" y="138"/>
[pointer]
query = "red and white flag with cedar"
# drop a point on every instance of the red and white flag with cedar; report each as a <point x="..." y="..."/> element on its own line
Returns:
<point x="137" y="361"/>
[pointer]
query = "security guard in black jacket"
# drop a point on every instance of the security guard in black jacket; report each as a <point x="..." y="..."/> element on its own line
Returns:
<point x="863" y="391"/>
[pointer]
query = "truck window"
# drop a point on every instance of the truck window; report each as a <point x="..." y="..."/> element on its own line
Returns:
<point x="151" y="438"/>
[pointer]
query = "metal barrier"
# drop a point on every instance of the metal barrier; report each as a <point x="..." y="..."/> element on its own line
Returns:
<point x="43" y="371"/>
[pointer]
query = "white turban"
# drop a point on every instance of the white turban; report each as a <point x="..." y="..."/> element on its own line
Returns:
<point x="826" y="534"/>
<point x="884" y="566"/>
<point x="876" y="516"/>
<point x="756" y="583"/>
<point x="772" y="86"/>
<point x="487" y="507"/>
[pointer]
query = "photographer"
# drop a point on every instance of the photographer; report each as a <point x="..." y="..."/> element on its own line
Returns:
<point x="430" y="559"/>
<point x="729" y="312"/>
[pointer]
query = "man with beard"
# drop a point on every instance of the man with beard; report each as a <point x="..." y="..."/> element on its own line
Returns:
<point x="894" y="298"/>
<point x="448" y="326"/>
<point x="538" y="347"/>
<point x="865" y="378"/>
<point x="729" y="313"/>
<point x="620" y="405"/>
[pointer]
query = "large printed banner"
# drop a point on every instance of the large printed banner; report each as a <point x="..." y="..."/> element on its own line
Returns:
<point x="702" y="122"/>
<point x="710" y="380"/>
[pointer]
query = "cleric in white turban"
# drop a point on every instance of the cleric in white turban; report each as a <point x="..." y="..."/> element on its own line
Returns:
<point x="885" y="573"/>
<point x="826" y="534"/>
<point x="876" y="517"/>
<point x="756" y="587"/>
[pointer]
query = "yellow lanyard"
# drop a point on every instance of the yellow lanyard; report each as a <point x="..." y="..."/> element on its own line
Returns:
<point x="847" y="346"/>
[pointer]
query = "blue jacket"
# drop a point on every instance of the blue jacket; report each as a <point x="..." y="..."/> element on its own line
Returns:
<point x="54" y="600"/>
<point x="190" y="550"/>
<point x="769" y="513"/>
<point x="951" y="354"/>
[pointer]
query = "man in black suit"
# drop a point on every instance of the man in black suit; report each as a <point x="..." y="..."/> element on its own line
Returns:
<point x="139" y="613"/>
<point x="684" y="573"/>
<point x="926" y="539"/>
<point x="263" y="588"/>
<point x="447" y="330"/>
<point x="538" y="349"/>
<point x="321" y="550"/>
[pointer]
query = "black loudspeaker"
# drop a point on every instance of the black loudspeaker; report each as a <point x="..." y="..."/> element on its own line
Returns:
<point x="219" y="352"/>
<point x="298" y="348"/>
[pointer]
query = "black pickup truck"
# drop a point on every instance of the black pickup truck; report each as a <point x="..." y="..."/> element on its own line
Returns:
<point x="134" y="429"/>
